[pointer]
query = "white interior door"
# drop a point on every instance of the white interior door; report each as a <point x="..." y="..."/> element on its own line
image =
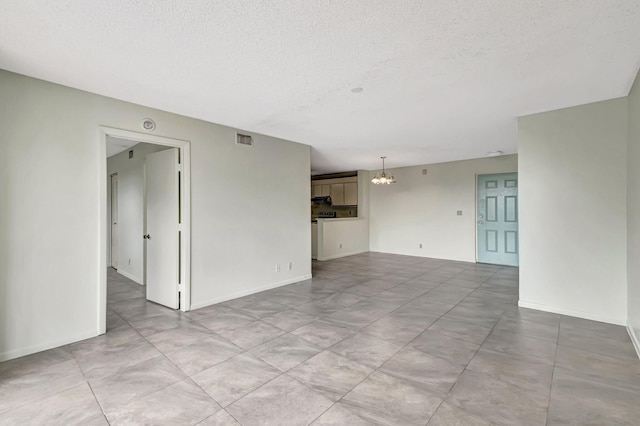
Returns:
<point x="114" y="221"/>
<point x="162" y="237"/>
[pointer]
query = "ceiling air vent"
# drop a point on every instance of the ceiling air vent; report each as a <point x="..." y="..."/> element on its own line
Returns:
<point x="243" y="139"/>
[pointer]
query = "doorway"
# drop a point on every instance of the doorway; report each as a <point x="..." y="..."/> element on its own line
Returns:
<point x="181" y="251"/>
<point x="497" y="219"/>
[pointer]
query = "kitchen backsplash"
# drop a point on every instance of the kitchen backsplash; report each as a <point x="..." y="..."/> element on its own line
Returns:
<point x="341" y="211"/>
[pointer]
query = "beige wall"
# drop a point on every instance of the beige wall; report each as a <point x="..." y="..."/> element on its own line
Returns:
<point x="633" y="214"/>
<point x="573" y="224"/>
<point x="422" y="209"/>
<point x="51" y="252"/>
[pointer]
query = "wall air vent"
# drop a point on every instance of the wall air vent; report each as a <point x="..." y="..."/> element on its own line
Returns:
<point x="244" y="139"/>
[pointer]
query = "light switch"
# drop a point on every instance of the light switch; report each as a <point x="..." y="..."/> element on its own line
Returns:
<point x="459" y="212"/>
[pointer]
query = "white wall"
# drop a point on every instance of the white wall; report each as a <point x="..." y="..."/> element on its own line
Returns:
<point x="342" y="237"/>
<point x="422" y="209"/>
<point x="573" y="180"/>
<point x="250" y="210"/>
<point x="633" y="214"/>
<point x="130" y="208"/>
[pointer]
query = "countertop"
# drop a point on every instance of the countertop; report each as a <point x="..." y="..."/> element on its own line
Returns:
<point x="335" y="219"/>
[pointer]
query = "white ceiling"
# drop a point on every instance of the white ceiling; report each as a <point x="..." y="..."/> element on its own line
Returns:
<point x="116" y="145"/>
<point x="443" y="80"/>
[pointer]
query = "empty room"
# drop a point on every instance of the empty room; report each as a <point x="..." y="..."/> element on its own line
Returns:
<point x="319" y="213"/>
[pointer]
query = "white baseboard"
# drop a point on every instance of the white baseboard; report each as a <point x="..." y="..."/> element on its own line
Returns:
<point x="132" y="277"/>
<point x="17" y="353"/>
<point x="427" y="256"/>
<point x="248" y="292"/>
<point x="634" y="339"/>
<point x="337" y="256"/>
<point x="571" y="313"/>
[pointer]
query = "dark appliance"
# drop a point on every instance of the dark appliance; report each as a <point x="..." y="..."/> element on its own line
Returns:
<point x="326" y="215"/>
<point x="321" y="200"/>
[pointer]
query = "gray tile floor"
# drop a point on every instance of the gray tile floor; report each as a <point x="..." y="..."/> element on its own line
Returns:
<point x="372" y="339"/>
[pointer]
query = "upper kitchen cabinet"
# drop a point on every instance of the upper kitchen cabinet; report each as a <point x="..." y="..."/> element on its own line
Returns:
<point x="344" y="194"/>
<point x="342" y="190"/>
<point x="351" y="194"/>
<point x="337" y="194"/>
<point x="320" y="190"/>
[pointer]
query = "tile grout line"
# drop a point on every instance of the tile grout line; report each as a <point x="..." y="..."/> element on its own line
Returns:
<point x="553" y="371"/>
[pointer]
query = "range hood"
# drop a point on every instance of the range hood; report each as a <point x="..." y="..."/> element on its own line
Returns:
<point x="321" y="200"/>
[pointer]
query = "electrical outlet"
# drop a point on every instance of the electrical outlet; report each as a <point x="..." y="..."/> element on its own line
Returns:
<point x="420" y="245"/>
<point x="277" y="267"/>
<point x="340" y="245"/>
<point x="129" y="261"/>
<point x="290" y="265"/>
<point x="424" y="171"/>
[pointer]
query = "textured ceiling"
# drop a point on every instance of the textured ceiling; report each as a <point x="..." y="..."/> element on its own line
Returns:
<point x="443" y="80"/>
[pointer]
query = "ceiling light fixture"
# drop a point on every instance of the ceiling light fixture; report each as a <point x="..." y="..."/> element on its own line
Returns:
<point x="494" y="153"/>
<point x="148" y="124"/>
<point x="357" y="90"/>
<point x="383" y="177"/>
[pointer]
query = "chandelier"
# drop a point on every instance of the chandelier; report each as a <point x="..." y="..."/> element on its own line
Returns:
<point x="383" y="177"/>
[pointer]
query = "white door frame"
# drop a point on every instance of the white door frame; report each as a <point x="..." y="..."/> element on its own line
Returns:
<point x="114" y="247"/>
<point x="185" y="249"/>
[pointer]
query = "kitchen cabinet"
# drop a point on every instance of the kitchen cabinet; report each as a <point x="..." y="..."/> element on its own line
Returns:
<point x="337" y="194"/>
<point x="344" y="194"/>
<point x="351" y="194"/>
<point x="343" y="191"/>
<point x="320" y="190"/>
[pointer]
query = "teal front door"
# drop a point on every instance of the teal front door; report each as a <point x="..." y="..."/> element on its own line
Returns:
<point x="497" y="218"/>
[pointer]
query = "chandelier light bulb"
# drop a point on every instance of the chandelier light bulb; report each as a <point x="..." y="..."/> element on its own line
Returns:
<point x="382" y="177"/>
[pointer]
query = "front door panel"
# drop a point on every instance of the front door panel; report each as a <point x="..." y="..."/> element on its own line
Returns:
<point x="497" y="218"/>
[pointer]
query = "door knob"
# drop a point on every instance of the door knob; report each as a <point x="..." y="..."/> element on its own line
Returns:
<point x="146" y="237"/>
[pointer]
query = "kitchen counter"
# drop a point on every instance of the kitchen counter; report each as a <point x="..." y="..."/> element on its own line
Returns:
<point x="314" y="239"/>
<point x="332" y="238"/>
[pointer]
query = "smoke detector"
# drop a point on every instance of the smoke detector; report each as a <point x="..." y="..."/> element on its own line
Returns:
<point x="148" y="124"/>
